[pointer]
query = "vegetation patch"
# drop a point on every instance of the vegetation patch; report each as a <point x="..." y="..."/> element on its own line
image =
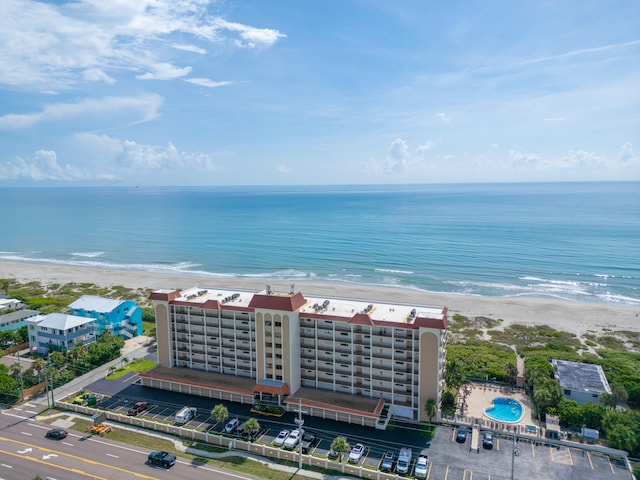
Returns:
<point x="137" y="366"/>
<point x="523" y="336"/>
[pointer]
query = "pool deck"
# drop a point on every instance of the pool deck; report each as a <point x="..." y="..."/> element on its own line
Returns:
<point x="481" y="398"/>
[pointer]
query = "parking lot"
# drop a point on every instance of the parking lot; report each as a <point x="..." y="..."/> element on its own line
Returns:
<point x="449" y="459"/>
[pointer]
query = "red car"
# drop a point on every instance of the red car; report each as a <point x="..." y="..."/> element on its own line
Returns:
<point x="139" y="407"/>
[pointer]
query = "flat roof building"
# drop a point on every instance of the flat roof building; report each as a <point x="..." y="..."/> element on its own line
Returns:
<point x="582" y="382"/>
<point x="351" y="360"/>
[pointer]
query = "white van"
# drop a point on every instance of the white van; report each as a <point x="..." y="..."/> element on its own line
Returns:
<point x="404" y="460"/>
<point x="184" y="415"/>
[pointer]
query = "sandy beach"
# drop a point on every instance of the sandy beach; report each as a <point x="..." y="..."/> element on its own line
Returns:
<point x="574" y="317"/>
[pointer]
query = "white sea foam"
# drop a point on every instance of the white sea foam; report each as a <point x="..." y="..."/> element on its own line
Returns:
<point x="389" y="270"/>
<point x="87" y="254"/>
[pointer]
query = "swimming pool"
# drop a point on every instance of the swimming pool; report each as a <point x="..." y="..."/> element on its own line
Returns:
<point x="505" y="410"/>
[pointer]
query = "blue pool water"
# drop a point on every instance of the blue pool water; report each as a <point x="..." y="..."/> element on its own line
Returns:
<point x="505" y="410"/>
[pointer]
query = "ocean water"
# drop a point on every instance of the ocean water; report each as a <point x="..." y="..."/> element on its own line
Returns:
<point x="572" y="241"/>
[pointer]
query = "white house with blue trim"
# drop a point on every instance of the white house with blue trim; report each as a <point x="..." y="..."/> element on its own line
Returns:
<point x="59" y="332"/>
<point x="120" y="317"/>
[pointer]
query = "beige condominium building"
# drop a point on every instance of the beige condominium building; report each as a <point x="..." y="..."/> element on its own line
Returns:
<point x="349" y="360"/>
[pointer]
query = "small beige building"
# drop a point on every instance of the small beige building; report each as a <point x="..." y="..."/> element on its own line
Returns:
<point x="351" y="360"/>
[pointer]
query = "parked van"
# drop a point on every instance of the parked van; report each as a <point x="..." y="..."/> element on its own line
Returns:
<point x="404" y="460"/>
<point x="184" y="415"/>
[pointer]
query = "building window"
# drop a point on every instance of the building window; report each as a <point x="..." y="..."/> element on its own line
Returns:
<point x="278" y="324"/>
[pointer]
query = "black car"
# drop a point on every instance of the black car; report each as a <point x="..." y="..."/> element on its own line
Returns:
<point x="487" y="440"/>
<point x="56" y="434"/>
<point x="461" y="435"/>
<point x="162" y="459"/>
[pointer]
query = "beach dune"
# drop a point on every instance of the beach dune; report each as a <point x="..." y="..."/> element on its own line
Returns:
<point x="574" y="317"/>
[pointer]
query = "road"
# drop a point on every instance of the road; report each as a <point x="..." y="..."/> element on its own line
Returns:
<point x="25" y="453"/>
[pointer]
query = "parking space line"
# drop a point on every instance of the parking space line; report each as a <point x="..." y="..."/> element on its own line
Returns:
<point x="446" y="473"/>
<point x="533" y="449"/>
<point x="562" y="456"/>
<point x="610" y="465"/>
<point x="464" y="474"/>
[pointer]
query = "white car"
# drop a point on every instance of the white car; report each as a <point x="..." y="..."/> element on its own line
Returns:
<point x="420" y="470"/>
<point x="282" y="436"/>
<point x="232" y="425"/>
<point x="356" y="453"/>
<point x="293" y="439"/>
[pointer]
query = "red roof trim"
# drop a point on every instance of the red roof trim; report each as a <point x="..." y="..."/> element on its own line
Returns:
<point x="285" y="303"/>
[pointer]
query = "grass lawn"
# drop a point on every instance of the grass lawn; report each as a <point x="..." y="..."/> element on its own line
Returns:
<point x="136" y="366"/>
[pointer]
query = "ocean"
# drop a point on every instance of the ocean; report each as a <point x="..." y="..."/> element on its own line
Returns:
<point x="570" y="241"/>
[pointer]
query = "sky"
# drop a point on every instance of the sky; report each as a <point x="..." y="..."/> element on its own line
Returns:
<point x="318" y="92"/>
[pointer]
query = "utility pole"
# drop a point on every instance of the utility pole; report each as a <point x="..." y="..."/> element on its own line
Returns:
<point x="300" y="422"/>
<point x="21" y="380"/>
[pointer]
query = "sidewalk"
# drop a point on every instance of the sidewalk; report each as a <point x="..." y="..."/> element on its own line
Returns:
<point x="65" y="421"/>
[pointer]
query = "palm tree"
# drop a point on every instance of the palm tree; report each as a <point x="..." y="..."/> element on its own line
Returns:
<point x="430" y="408"/>
<point x="340" y="446"/>
<point x="620" y="394"/>
<point x="38" y="367"/>
<point x="15" y="369"/>
<point x="251" y="427"/>
<point x="220" y="413"/>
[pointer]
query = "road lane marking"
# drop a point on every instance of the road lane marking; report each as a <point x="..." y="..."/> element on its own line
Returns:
<point x="82" y="459"/>
<point x="49" y="464"/>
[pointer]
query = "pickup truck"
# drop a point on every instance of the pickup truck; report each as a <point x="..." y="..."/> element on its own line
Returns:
<point x="293" y="439"/>
<point x="162" y="459"/>
<point x="308" y="442"/>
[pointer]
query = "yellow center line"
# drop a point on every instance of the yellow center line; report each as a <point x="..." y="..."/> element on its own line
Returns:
<point x="82" y="459"/>
<point x="49" y="464"/>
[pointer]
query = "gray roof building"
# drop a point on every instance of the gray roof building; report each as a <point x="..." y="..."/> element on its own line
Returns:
<point x="582" y="382"/>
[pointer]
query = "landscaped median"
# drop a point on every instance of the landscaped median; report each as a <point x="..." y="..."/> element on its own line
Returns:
<point x="231" y="442"/>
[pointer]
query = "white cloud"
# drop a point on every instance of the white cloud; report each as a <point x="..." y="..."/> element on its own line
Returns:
<point x="104" y="156"/>
<point x="44" y="166"/>
<point x="98" y="75"/>
<point x="137" y="109"/>
<point x="444" y="118"/>
<point x="250" y="36"/>
<point x="56" y="46"/>
<point x="398" y="157"/>
<point x="206" y="82"/>
<point x="165" y="71"/>
<point x="283" y="169"/>
<point x="425" y="147"/>
<point x="626" y="155"/>
<point x="189" y="48"/>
